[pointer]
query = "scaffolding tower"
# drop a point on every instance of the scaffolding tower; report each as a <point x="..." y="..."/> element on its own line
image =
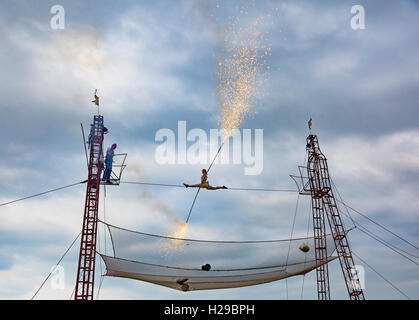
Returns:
<point x="314" y="180"/>
<point x="87" y="257"/>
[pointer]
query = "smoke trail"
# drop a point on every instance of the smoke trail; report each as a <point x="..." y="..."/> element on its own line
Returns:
<point x="160" y="207"/>
<point x="177" y="229"/>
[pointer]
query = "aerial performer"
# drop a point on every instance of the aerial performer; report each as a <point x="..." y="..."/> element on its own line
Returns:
<point x="108" y="163"/>
<point x="204" y="183"/>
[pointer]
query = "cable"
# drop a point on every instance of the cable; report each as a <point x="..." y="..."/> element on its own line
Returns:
<point x="193" y="204"/>
<point x="100" y="262"/>
<point x="153" y="184"/>
<point x="104" y="219"/>
<point x="42" y="193"/>
<point x="59" y="261"/>
<point x="388" y="281"/>
<point x="386" y="244"/>
<point x="260" y="189"/>
<point x="100" y="286"/>
<point x="182" y="186"/>
<point x="285" y="190"/>
<point x="104" y="235"/>
<point x="72" y="294"/>
<point x="341" y="199"/>
<point x="383" y="242"/>
<point x="215" y="157"/>
<point x="84" y="144"/>
<point x="196" y="195"/>
<point x="292" y="233"/>
<point x="374" y="236"/>
<point x="376" y="223"/>
<point x="305" y="254"/>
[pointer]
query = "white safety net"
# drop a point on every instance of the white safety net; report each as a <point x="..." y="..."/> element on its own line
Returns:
<point x="187" y="264"/>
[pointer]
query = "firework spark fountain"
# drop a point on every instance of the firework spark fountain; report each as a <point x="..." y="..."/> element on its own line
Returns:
<point x="242" y="69"/>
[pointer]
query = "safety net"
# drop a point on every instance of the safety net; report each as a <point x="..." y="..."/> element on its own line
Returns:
<point x="190" y="264"/>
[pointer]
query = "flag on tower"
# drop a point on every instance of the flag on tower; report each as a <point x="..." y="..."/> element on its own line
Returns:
<point x="96" y="101"/>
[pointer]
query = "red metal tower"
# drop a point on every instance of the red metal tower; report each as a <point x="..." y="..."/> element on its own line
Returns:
<point x="318" y="185"/>
<point x="87" y="257"/>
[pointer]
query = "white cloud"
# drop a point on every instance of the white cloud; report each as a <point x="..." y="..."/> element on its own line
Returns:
<point x="137" y="63"/>
<point x="379" y="172"/>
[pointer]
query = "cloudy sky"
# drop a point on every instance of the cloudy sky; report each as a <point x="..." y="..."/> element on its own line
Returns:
<point x="154" y="64"/>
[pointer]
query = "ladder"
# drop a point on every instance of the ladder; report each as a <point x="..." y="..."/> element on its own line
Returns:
<point x="324" y="204"/>
<point x="87" y="256"/>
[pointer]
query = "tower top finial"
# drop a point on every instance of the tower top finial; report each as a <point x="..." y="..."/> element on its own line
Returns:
<point x="96" y="101"/>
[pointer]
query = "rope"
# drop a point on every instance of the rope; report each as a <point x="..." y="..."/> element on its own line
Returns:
<point x="381" y="226"/>
<point x="100" y="286"/>
<point x="104" y="236"/>
<point x="341" y="200"/>
<point x="153" y="184"/>
<point x="72" y="294"/>
<point x="193" y="204"/>
<point x="104" y="219"/>
<point x="371" y="234"/>
<point x="383" y="242"/>
<point x="197" y="240"/>
<point x="260" y="189"/>
<point x="292" y="233"/>
<point x="84" y="144"/>
<point x="305" y="254"/>
<point x="216" y="270"/>
<point x="182" y="186"/>
<point x="388" y="281"/>
<point x="197" y="192"/>
<point x="215" y="157"/>
<point x="101" y="272"/>
<point x="99" y="239"/>
<point x="59" y="261"/>
<point x="388" y="245"/>
<point x="42" y="193"/>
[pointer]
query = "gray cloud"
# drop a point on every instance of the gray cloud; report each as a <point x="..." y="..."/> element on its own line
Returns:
<point x="154" y="65"/>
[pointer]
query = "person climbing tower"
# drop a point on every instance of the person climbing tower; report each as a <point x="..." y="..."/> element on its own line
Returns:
<point x="108" y="163"/>
<point x="204" y="183"/>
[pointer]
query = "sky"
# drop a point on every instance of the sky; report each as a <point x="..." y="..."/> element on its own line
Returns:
<point x="155" y="63"/>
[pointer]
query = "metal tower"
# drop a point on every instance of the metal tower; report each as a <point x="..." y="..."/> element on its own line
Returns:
<point x="87" y="257"/>
<point x="323" y="203"/>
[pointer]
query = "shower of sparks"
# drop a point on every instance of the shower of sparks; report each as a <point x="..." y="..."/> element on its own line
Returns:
<point x="174" y="241"/>
<point x="242" y="68"/>
<point x="241" y="71"/>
